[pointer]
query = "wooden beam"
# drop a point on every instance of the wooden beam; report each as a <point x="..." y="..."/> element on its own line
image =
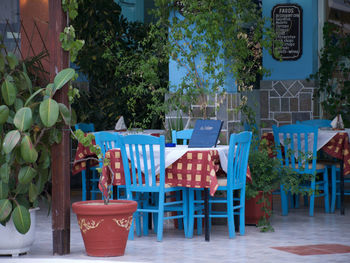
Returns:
<point x="60" y="153"/>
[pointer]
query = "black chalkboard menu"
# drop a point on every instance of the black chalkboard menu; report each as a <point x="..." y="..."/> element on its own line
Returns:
<point x="288" y="24"/>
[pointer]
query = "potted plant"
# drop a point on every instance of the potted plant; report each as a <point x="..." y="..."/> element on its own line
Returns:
<point x="97" y="219"/>
<point x="30" y="123"/>
<point x="265" y="179"/>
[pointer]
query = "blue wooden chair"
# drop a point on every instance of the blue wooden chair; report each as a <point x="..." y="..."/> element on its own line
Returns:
<point x="302" y="158"/>
<point x="94" y="178"/>
<point x="141" y="186"/>
<point x="234" y="182"/>
<point x="335" y="200"/>
<point x="316" y="122"/>
<point x="184" y="135"/>
<point x="107" y="141"/>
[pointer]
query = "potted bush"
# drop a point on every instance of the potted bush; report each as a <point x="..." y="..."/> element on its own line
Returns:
<point x="97" y="219"/>
<point x="265" y="179"/>
<point x="30" y="123"/>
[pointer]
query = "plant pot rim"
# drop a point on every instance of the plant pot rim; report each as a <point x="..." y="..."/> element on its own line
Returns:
<point x="98" y="207"/>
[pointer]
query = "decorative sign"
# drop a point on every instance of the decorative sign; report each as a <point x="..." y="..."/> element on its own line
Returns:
<point x="288" y="24"/>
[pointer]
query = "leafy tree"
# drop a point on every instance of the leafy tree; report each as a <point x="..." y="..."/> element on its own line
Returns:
<point x="125" y="64"/>
<point x="334" y="73"/>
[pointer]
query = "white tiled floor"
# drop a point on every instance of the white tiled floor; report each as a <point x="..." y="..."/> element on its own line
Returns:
<point x="295" y="229"/>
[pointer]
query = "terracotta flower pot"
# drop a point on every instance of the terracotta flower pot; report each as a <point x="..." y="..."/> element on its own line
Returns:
<point x="105" y="228"/>
<point x="253" y="211"/>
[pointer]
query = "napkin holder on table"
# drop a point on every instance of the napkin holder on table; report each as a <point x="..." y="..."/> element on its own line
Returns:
<point x="120" y="125"/>
<point x="337" y="123"/>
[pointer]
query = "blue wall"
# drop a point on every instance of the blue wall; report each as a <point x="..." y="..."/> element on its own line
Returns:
<point x="308" y="62"/>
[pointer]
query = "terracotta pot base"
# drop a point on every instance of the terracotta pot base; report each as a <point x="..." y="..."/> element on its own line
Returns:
<point x="253" y="211"/>
<point x="105" y="228"/>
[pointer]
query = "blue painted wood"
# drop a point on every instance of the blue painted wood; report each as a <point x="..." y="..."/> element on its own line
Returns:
<point x="294" y="137"/>
<point x="317" y="122"/>
<point x="142" y="187"/>
<point x="308" y="63"/>
<point x="235" y="181"/>
<point x="88" y="127"/>
<point x="184" y="135"/>
<point x="107" y="141"/>
<point x="335" y="200"/>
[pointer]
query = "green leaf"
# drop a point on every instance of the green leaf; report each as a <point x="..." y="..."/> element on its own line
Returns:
<point x="63" y="77"/>
<point x="65" y="113"/>
<point x="44" y="160"/>
<point x="26" y="174"/>
<point x="49" y="111"/>
<point x="28" y="152"/>
<point x="5" y="173"/>
<point x="8" y="91"/>
<point x="11" y="140"/>
<point x="33" y="192"/>
<point x="32" y="96"/>
<point x="12" y="60"/>
<point x="5" y="208"/>
<point x="42" y="179"/>
<point x="4" y="113"/>
<point x="22" y="199"/>
<point x="2" y="62"/>
<point x="21" y="219"/>
<point x="22" y="188"/>
<point x="27" y="81"/>
<point x="4" y="190"/>
<point x="23" y="119"/>
<point x="18" y="104"/>
<point x="49" y="90"/>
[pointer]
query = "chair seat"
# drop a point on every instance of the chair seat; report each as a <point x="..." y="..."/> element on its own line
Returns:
<point x="319" y="166"/>
<point x="329" y="163"/>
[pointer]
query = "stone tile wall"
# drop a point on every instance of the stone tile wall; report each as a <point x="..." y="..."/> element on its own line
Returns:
<point x="285" y="102"/>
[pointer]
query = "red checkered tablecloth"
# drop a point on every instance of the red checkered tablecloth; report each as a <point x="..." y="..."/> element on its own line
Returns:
<point x="194" y="169"/>
<point x="338" y="147"/>
<point x="81" y="155"/>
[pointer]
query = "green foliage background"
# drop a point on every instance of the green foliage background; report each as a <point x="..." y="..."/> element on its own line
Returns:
<point x="126" y="65"/>
<point x="333" y="75"/>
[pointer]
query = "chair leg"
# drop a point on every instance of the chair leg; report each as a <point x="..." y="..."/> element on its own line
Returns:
<point x="334" y="187"/>
<point x="306" y="200"/>
<point x="284" y="202"/>
<point x="326" y="190"/>
<point x="160" y="217"/>
<point x="83" y="185"/>
<point x="312" y="198"/>
<point x="190" y="212"/>
<point x="199" y="212"/>
<point x="131" y="231"/>
<point x="179" y="220"/>
<point x="145" y="223"/>
<point x="230" y="217"/>
<point x="296" y="200"/>
<point x="242" y="213"/>
<point x="185" y="210"/>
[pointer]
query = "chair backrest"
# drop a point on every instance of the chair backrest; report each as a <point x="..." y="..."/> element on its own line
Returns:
<point x="106" y="141"/>
<point x="299" y="143"/>
<point x="181" y="135"/>
<point x="238" y="159"/>
<point x="85" y="127"/>
<point x="148" y="153"/>
<point x="317" y="122"/>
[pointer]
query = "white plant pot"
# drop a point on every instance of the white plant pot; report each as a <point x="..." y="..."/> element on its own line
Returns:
<point x="14" y="243"/>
